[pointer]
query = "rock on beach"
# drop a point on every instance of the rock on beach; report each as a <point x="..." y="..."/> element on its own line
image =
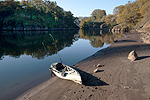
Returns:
<point x="132" y="55"/>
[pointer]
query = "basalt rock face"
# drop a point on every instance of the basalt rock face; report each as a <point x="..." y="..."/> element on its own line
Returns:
<point x="119" y="29"/>
<point x="144" y="24"/>
<point x="145" y="36"/>
<point x="144" y="27"/>
<point x="145" y="33"/>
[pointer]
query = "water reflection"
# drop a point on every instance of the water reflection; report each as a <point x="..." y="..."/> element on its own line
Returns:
<point x="99" y="37"/>
<point x="19" y="43"/>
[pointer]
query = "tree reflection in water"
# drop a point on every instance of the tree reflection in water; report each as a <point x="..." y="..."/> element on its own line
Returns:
<point x="99" y="37"/>
<point x="18" y="43"/>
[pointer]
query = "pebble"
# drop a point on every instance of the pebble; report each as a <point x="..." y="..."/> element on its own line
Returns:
<point x="96" y="70"/>
<point x="98" y="65"/>
<point x="94" y="65"/>
<point x="127" y="87"/>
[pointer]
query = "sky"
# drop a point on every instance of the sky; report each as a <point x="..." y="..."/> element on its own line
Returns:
<point x="84" y="8"/>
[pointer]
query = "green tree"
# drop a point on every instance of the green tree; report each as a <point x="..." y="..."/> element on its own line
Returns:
<point x="69" y="19"/>
<point x="41" y="13"/>
<point x="7" y="9"/>
<point x="30" y="10"/>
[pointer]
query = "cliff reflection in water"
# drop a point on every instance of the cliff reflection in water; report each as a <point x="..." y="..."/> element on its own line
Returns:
<point x="18" y="43"/>
<point x="99" y="37"/>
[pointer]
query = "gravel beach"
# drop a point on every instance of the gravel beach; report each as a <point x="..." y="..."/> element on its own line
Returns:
<point x="117" y="77"/>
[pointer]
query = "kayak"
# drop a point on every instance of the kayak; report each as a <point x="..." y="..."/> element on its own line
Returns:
<point x="65" y="72"/>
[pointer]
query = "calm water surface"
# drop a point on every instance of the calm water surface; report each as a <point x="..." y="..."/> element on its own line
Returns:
<point x="24" y="62"/>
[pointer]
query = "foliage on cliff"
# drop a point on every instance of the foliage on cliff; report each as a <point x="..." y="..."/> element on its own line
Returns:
<point x="36" y="13"/>
<point x="124" y="16"/>
<point x="129" y="15"/>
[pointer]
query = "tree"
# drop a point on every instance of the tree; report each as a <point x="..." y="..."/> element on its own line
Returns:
<point x="129" y="15"/>
<point x="141" y="3"/>
<point x="118" y="9"/>
<point x="40" y="13"/>
<point x="145" y="7"/>
<point x="38" y="4"/>
<point x="97" y="14"/>
<point x="30" y="10"/>
<point x="7" y="8"/>
<point x="69" y="19"/>
<point x="100" y="14"/>
<point x="110" y="20"/>
<point x="82" y="22"/>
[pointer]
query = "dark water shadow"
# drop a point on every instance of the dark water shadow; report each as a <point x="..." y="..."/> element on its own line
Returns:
<point x="90" y="80"/>
<point x="142" y="57"/>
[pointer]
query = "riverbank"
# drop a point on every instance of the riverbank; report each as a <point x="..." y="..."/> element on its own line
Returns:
<point x="117" y="79"/>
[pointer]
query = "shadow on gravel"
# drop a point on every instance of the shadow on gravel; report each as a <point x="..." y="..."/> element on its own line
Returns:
<point x="125" y="41"/>
<point x="90" y="80"/>
<point x="143" y="57"/>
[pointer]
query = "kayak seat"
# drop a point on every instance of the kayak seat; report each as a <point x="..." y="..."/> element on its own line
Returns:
<point x="59" y="67"/>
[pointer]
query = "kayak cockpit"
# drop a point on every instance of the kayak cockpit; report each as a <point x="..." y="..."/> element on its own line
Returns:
<point x="59" y="66"/>
<point x="66" y="72"/>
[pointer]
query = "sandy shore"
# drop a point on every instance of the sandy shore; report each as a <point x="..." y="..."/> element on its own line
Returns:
<point x="117" y="79"/>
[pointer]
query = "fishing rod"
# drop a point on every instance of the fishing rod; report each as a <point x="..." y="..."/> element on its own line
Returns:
<point x="46" y="51"/>
<point x="56" y="47"/>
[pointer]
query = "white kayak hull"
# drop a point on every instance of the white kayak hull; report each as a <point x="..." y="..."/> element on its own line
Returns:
<point x="67" y="73"/>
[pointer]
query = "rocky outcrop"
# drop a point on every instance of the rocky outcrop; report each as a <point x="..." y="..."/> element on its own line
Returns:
<point x="119" y="29"/>
<point x="145" y="36"/>
<point x="144" y="27"/>
<point x="103" y="25"/>
<point x="144" y="24"/>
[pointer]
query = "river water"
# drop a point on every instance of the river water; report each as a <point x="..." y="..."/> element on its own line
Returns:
<point x="24" y="62"/>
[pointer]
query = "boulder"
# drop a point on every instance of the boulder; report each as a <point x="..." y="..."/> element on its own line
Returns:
<point x="132" y="56"/>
